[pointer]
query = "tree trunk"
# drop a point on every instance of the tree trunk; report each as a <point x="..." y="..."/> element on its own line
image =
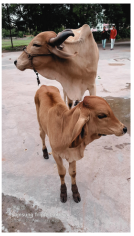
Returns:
<point x="11" y="38"/>
<point x="9" y="25"/>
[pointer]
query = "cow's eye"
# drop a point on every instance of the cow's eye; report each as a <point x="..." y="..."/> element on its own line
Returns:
<point x="36" y="45"/>
<point x="101" y="116"/>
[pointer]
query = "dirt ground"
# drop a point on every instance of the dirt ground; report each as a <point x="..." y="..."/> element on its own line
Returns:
<point x="31" y="185"/>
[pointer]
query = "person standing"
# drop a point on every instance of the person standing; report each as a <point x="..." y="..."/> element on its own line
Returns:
<point x="113" y="34"/>
<point x="104" y="37"/>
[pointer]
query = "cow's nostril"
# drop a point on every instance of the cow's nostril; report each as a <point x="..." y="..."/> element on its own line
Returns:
<point x="15" y="62"/>
<point x="124" y="130"/>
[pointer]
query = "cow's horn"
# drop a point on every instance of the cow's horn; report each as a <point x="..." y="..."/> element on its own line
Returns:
<point x="61" y="37"/>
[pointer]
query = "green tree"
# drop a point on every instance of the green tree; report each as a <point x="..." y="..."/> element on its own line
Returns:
<point x="43" y="17"/>
<point x="8" y="17"/>
<point x="118" y="14"/>
<point x="27" y="17"/>
<point x="47" y="17"/>
<point x="80" y="14"/>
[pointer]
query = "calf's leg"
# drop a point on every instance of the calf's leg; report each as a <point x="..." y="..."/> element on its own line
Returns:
<point x="72" y="172"/>
<point x="42" y="133"/>
<point x="62" y="173"/>
<point x="44" y="149"/>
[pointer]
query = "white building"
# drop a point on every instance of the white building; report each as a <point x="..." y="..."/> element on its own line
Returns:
<point x="100" y="27"/>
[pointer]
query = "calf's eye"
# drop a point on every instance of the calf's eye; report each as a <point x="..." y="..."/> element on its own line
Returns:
<point x="101" y="116"/>
<point x="36" y="45"/>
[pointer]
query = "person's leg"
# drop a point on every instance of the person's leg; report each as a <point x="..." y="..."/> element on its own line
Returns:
<point x="111" y="43"/>
<point x="104" y="43"/>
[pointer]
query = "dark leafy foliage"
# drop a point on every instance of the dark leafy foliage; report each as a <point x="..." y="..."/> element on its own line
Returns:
<point x="35" y="18"/>
<point x="118" y="14"/>
<point x="42" y="17"/>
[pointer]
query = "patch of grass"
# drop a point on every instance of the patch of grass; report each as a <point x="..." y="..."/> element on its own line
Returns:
<point x="6" y="43"/>
<point x="9" y="48"/>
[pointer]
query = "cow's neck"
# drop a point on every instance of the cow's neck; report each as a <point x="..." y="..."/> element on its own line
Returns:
<point x="56" y="69"/>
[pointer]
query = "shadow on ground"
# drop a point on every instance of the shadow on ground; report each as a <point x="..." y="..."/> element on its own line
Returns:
<point x="21" y="217"/>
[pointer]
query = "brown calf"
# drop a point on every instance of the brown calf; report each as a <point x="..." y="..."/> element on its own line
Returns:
<point x="70" y="131"/>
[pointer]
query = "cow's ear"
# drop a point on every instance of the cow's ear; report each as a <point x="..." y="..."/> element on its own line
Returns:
<point x="80" y="131"/>
<point x="60" y="52"/>
<point x="55" y="44"/>
<point x="61" y="37"/>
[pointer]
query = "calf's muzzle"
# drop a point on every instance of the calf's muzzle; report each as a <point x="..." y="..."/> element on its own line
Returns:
<point x="124" y="130"/>
<point x="15" y="62"/>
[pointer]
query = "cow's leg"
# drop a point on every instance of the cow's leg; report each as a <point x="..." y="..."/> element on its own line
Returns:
<point x="69" y="102"/>
<point x="92" y="89"/>
<point x="62" y="173"/>
<point x="65" y="95"/>
<point x="44" y="149"/>
<point x="72" y="172"/>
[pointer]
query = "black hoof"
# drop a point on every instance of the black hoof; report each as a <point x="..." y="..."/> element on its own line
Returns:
<point x="76" y="102"/>
<point x="63" y="194"/>
<point x="45" y="153"/>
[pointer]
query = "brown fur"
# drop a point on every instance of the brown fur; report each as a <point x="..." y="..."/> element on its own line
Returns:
<point x="69" y="131"/>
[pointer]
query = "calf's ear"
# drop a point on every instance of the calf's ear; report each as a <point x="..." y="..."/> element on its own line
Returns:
<point x="79" y="131"/>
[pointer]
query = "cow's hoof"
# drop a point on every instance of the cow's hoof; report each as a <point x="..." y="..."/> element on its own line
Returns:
<point x="63" y="195"/>
<point x="70" y="105"/>
<point x="76" y="102"/>
<point x="45" y="153"/>
<point x="77" y="197"/>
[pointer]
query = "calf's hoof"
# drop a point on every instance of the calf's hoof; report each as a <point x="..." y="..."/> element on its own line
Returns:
<point x="76" y="195"/>
<point x="63" y="194"/>
<point x="45" y="153"/>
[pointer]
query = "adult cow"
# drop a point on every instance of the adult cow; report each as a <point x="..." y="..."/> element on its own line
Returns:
<point x="71" y="58"/>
